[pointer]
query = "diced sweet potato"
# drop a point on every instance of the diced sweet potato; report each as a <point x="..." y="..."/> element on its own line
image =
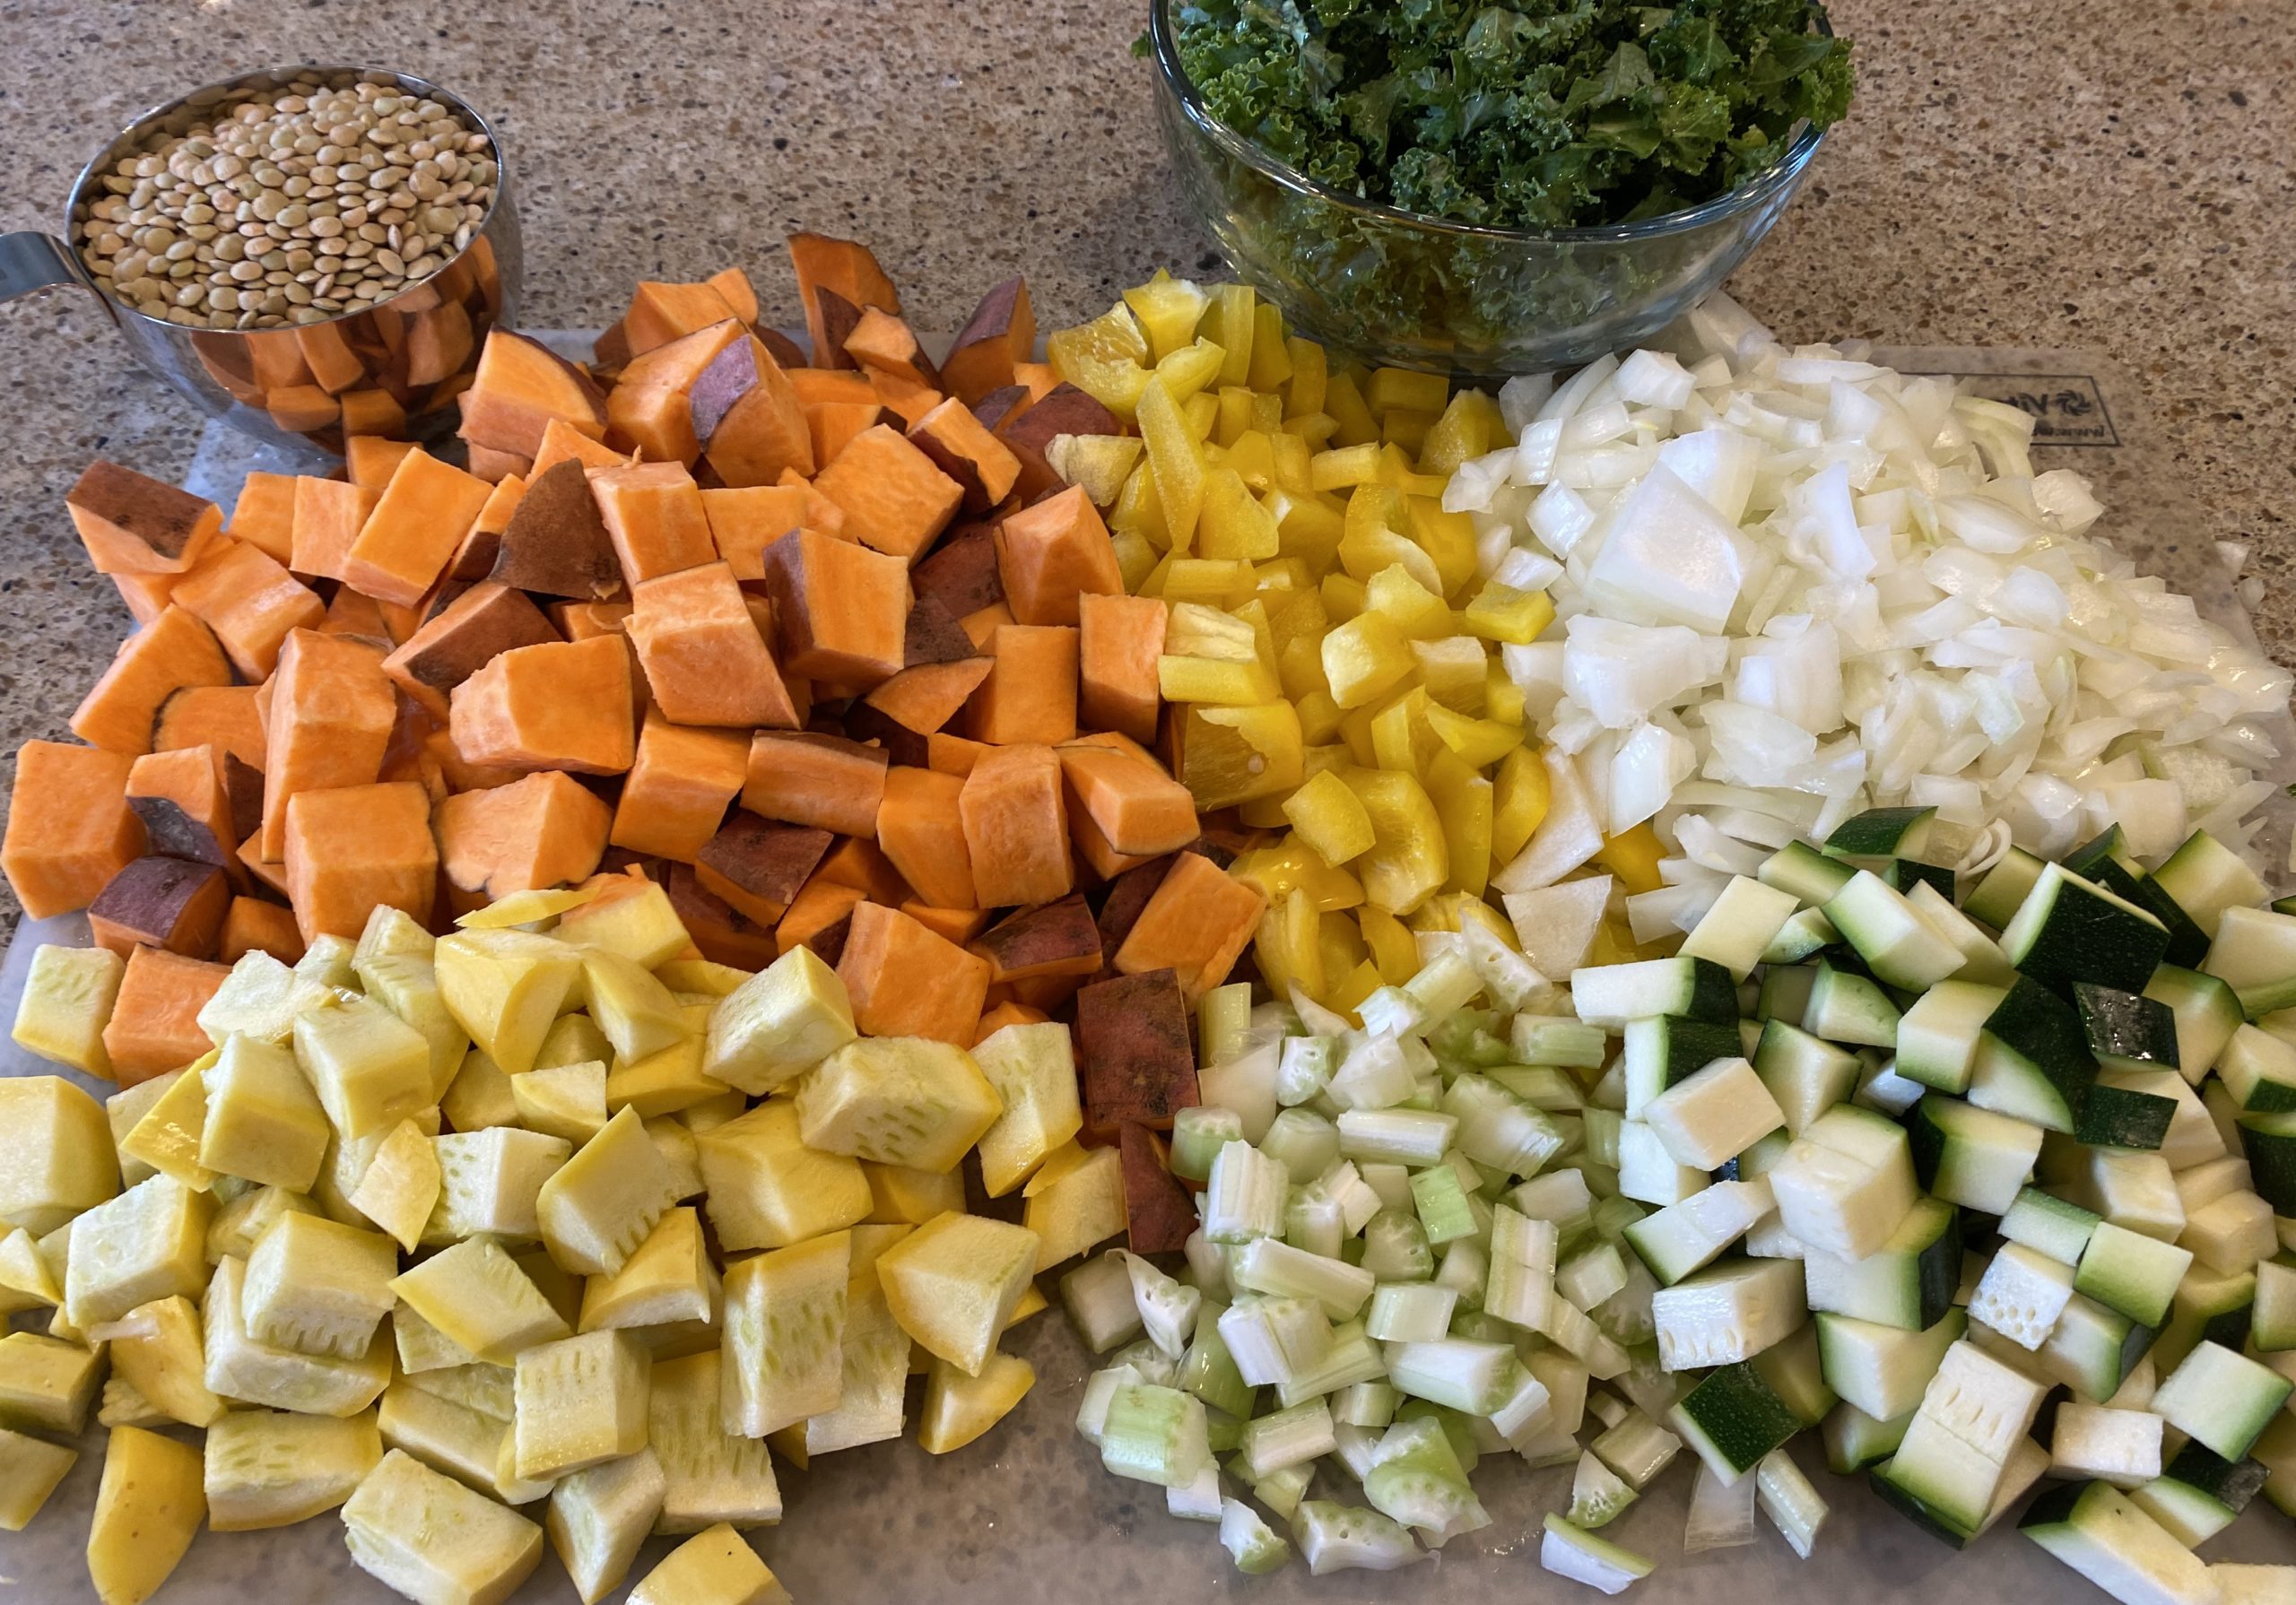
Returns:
<point x="264" y="515"/>
<point x="834" y="425"/>
<point x="1065" y="410"/>
<point x="422" y="517"/>
<point x="222" y="716"/>
<point x="978" y="461"/>
<point x="942" y="671"/>
<point x="250" y="925"/>
<point x="1196" y="925"/>
<point x="1136" y="807"/>
<point x="1119" y="640"/>
<point x="846" y="269"/>
<point x="907" y="400"/>
<point x="1053" y="552"/>
<point x="371" y="413"/>
<point x="724" y="935"/>
<point x="1127" y="896"/>
<point x="894" y="497"/>
<point x="921" y="831"/>
<point x="557" y="705"/>
<point x="1057" y="939"/>
<point x="946" y="754"/>
<point x="546" y="830"/>
<point x="857" y="861"/>
<point x="744" y="522"/>
<point x="328" y="517"/>
<point x="519" y="386"/>
<point x="588" y="621"/>
<point x="1158" y="1215"/>
<point x="357" y="615"/>
<point x="175" y="650"/>
<point x="1001" y="332"/>
<point x="962" y="572"/>
<point x="650" y="409"/>
<point x="154" y="1025"/>
<point x="1030" y="696"/>
<point x="654" y="516"/>
<point x="705" y="661"/>
<point x="758" y="866"/>
<point x="1016" y="827"/>
<point x="132" y="523"/>
<point x="332" y="714"/>
<point x="556" y="542"/>
<point x="881" y="342"/>
<point x="959" y="925"/>
<point x="561" y="441"/>
<point x="661" y="312"/>
<point x="1049" y="993"/>
<point x="1133" y="1048"/>
<point x="677" y="790"/>
<point x="463" y="638"/>
<point x="70" y="829"/>
<point x="983" y="625"/>
<point x="162" y="902"/>
<point x="824" y="781"/>
<point x="747" y="417"/>
<point x="822" y="906"/>
<point x="824" y="386"/>
<point x="369" y="461"/>
<point x="904" y="981"/>
<point x="250" y="602"/>
<point x="1002" y="1013"/>
<point x="1000" y="406"/>
<point x="839" y="610"/>
<point x="352" y="849"/>
<point x="181" y="798"/>
<point x="147" y="596"/>
<point x="733" y="286"/>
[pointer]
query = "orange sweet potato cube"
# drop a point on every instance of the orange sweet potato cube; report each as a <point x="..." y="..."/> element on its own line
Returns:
<point x="1016" y="827"/>
<point x="675" y="795"/>
<point x="1196" y="924"/>
<point x="894" y="499"/>
<point x="175" y="650"/>
<point x="132" y="523"/>
<point x="251" y="601"/>
<point x="653" y="515"/>
<point x="352" y="849"/>
<point x="962" y="447"/>
<point x="1054" y="552"/>
<point x="332" y="712"/>
<point x="154" y="1025"/>
<point x="546" y="830"/>
<point x="1030" y="693"/>
<point x="823" y="781"/>
<point x="420" y="518"/>
<point x="251" y="924"/>
<point x="264" y="515"/>
<point x="839" y="610"/>
<point x="650" y="408"/>
<point x="704" y="659"/>
<point x="328" y="517"/>
<point x="1119" y="640"/>
<point x="744" y="522"/>
<point x="906" y="981"/>
<point x="748" y="418"/>
<point x="557" y="705"/>
<point x="1137" y="808"/>
<point x="70" y="827"/>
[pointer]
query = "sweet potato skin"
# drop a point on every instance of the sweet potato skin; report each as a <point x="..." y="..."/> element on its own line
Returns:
<point x="1133" y="1043"/>
<point x="463" y="638"/>
<point x="162" y="902"/>
<point x="1159" y="1214"/>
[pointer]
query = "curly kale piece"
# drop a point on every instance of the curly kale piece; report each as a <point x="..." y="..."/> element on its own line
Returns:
<point x="1538" y="113"/>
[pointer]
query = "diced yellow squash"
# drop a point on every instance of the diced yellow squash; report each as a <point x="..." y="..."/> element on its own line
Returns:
<point x="241" y="1222"/>
<point x="531" y="907"/>
<point x="30" y="1469"/>
<point x="904" y="1195"/>
<point x="874" y="1364"/>
<point x="1033" y="1068"/>
<point x="785" y="1329"/>
<point x="433" y="1540"/>
<point x="248" y="1372"/>
<point x="633" y="1010"/>
<point x="1410" y="860"/>
<point x="370" y="1069"/>
<point x="149" y="1507"/>
<point x="668" y="1279"/>
<point x="479" y="1095"/>
<point x="715" y="1567"/>
<point x="597" y="1208"/>
<point x="951" y="1284"/>
<point x="260" y="998"/>
<point x="26" y="1283"/>
<point x="959" y="1407"/>
<point x="46" y="1383"/>
<point x="641" y="927"/>
<point x="581" y="1401"/>
<point x="317" y="1287"/>
<point x="408" y="984"/>
<point x="122" y="1110"/>
<point x="58" y="1159"/>
<point x="778" y="1024"/>
<point x="1081" y="1205"/>
<point x="598" y="1519"/>
<point x="477" y="1296"/>
<point x="268" y="1469"/>
<point x="402" y="1184"/>
<point x="768" y="1189"/>
<point x="504" y="987"/>
<point x="700" y="976"/>
<point x="67" y="1000"/>
<point x="146" y="1244"/>
<point x="897" y="1101"/>
<point x="713" y="1475"/>
<point x="261" y="1120"/>
<point x="168" y="1137"/>
<point x="473" y="1448"/>
<point x="158" y="1349"/>
<point x="565" y="1100"/>
<point x="491" y="1182"/>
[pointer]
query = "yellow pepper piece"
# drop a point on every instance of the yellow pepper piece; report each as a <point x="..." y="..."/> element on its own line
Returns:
<point x="1392" y="388"/>
<point x="1462" y="798"/>
<point x="1231" y="755"/>
<point x="1521" y="797"/>
<point x="1293" y="863"/>
<point x="1355" y="734"/>
<point x="1404" y="428"/>
<point x="1391" y="944"/>
<point x="1378" y="538"/>
<point x="1188" y="370"/>
<point x="1502" y="699"/>
<point x="1212" y="656"/>
<point x="1136" y="559"/>
<point x="1232" y="523"/>
<point x="1199" y="412"/>
<point x="1173" y="454"/>
<point x="1299" y="666"/>
<point x="1479" y="742"/>
<point x="1252" y="454"/>
<point x="1168" y="310"/>
<point x="1343" y="400"/>
<point x="1290" y="455"/>
<point x="1632" y="855"/>
<point x="1401" y="737"/>
<point x="1319" y="430"/>
<point x="1412" y="857"/>
<point x="1348" y="995"/>
<point x="1503" y="613"/>
<point x="1290" y="946"/>
<point x="1303" y="393"/>
<point x="1364" y="657"/>
<point x="1482" y="914"/>
<point x="1271" y="353"/>
<point x="1295" y="606"/>
<point x="1106" y="358"/>
<point x="1234" y="417"/>
<point x="1308" y="525"/>
<point x="1447" y="538"/>
<point x="1330" y="817"/>
<point x="1344" y="597"/>
<point x="1212" y="582"/>
<point x="1416" y="610"/>
<point x="1398" y="472"/>
<point x="1100" y="463"/>
<point x="1614" y="943"/>
<point x="1230" y="321"/>
<point x="1470" y="426"/>
<point x="1320" y="716"/>
<point x="1267" y="411"/>
<point x="1343" y="946"/>
<point x="1454" y="670"/>
<point x="1139" y="511"/>
<point x="1342" y="468"/>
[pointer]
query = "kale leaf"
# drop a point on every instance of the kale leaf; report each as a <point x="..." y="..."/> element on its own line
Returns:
<point x="1537" y="113"/>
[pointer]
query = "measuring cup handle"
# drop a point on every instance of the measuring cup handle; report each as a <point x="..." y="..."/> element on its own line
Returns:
<point x="31" y="260"/>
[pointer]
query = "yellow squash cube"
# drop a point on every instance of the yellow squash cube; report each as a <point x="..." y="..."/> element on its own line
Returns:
<point x="897" y="1101"/>
<point x="58" y="1159"/>
<point x="951" y="1284"/>
<point x="149" y="1507"/>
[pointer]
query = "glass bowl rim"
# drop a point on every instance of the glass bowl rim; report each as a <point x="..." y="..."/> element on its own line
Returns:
<point x="1773" y="180"/>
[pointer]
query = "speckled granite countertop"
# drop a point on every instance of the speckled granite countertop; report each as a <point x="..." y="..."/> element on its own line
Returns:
<point x="2108" y="175"/>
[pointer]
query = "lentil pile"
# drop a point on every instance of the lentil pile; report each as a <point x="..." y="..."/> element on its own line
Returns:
<point x="291" y="205"/>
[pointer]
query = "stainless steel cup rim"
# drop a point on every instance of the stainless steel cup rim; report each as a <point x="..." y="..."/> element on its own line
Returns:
<point x="153" y="117"/>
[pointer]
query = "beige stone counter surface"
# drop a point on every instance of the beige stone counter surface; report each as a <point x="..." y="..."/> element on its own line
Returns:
<point x="2110" y="175"/>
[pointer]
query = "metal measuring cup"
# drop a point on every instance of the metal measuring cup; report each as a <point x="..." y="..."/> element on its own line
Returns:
<point x="393" y="368"/>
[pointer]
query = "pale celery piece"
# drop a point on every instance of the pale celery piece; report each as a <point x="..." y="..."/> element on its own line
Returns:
<point x="897" y="1101"/>
<point x="952" y="1283"/>
<point x="785" y="1329"/>
<point x="272" y="1469"/>
<point x="713" y="1476"/>
<point x="491" y="1182"/>
<point x="259" y="999"/>
<point x="160" y="1350"/>
<point x="477" y="1296"/>
<point x="581" y="1401"/>
<point x="431" y="1538"/>
<point x="504" y="987"/>
<point x="597" y="1208"/>
<point x="713" y="1567"/>
<point x="598" y="1519"/>
<point x="68" y="996"/>
<point x="778" y="1024"/>
<point x="247" y="1371"/>
<point x="370" y="1068"/>
<point x="1032" y="1067"/>
<point x="765" y="1189"/>
<point x="147" y="1243"/>
<point x="318" y="1287"/>
<point x="59" y="1159"/>
<point x="47" y="1384"/>
<point x="263" y="1121"/>
<point x="564" y="1100"/>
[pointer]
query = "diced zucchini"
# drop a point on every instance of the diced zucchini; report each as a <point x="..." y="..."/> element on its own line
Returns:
<point x="2207" y="878"/>
<point x="1727" y="1313"/>
<point x="1613" y="995"/>
<point x="1572" y="1552"/>
<point x="2093" y="1528"/>
<point x="1883" y="833"/>
<point x="1848" y="1007"/>
<point x="1661" y="1050"/>
<point x="2221" y="1398"/>
<point x="2068" y="929"/>
<point x="1970" y="1156"/>
<point x="1733" y="1419"/>
<point x="1937" y="1037"/>
<point x="2002" y="890"/>
<point x="2033" y="1062"/>
<point x="1908" y="1282"/>
<point x="2254" y="952"/>
<point x="1902" y="947"/>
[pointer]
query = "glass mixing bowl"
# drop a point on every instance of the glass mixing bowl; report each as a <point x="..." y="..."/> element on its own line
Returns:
<point x="1402" y="290"/>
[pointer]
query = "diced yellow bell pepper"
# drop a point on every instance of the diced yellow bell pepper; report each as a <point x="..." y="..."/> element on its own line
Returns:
<point x="1231" y="755"/>
<point x="1343" y="400"/>
<point x="1378" y="538"/>
<point x="1401" y="737"/>
<point x="1347" y="995"/>
<point x="1392" y="388"/>
<point x="1404" y="428"/>
<point x="1267" y="411"/>
<point x="1193" y="630"/>
<point x="1299" y="666"/>
<point x="1229" y="320"/>
<point x="1233" y="522"/>
<point x="1290" y="946"/>
<point x="1320" y="718"/>
<point x="1292" y="863"/>
<point x="1455" y="670"/>
<point x="1213" y="680"/>
<point x="1355" y="734"/>
<point x="1519" y="801"/>
<point x="1412" y="857"/>
<point x="1462" y="798"/>
<point x="1470" y="426"/>
<point x="1396" y="592"/>
<point x="1304" y="392"/>
<point x="1153" y="585"/>
<point x="1319" y="430"/>
<point x="1252" y="454"/>
<point x="1139" y="511"/>
<point x="1308" y="526"/>
<point x="1295" y="606"/>
<point x="1344" y="596"/>
<point x="1343" y="946"/>
<point x="1391" y="945"/>
<point x="1614" y="943"/>
<point x="1364" y="657"/>
<point x="1503" y="613"/>
<point x="1478" y="743"/>
<point x="1136" y="559"/>
<point x="1290" y="455"/>
<point x="1330" y="817"/>
<point x="1169" y="309"/>
<point x="1502" y="699"/>
<point x="1199" y="412"/>
<point x="1262" y="813"/>
<point x="1186" y="372"/>
<point x="1100" y="463"/>
<point x="1398" y="473"/>
<point x="1106" y="358"/>
<point x="1320" y="756"/>
<point x="1271" y="363"/>
<point x="1447" y="538"/>
<point x="1342" y="468"/>
<point x="1632" y="855"/>
<point x="1235" y="414"/>
<point x="1212" y="582"/>
<point x="1178" y="463"/>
